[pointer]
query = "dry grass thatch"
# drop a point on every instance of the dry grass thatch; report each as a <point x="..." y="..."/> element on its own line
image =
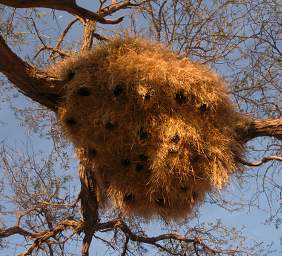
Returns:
<point x="158" y="130"/>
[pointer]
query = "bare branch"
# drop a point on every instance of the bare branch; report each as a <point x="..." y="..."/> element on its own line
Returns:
<point x="262" y="161"/>
<point x="90" y="25"/>
<point x="45" y="236"/>
<point x="154" y="241"/>
<point x="44" y="47"/>
<point x="16" y="230"/>
<point x="63" y="5"/>
<point x="108" y="10"/>
<point x="34" y="83"/>
<point x="66" y="30"/>
<point x="125" y="247"/>
<point x="61" y="38"/>
<point x="261" y="128"/>
<point x="118" y="223"/>
<point x="53" y="50"/>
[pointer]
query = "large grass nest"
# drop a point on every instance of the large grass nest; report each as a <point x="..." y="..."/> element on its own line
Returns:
<point x="157" y="130"/>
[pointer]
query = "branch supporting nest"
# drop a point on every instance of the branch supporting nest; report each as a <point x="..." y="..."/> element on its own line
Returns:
<point x="260" y="128"/>
<point x="32" y="82"/>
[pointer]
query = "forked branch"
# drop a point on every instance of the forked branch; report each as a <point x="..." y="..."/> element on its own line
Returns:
<point x="45" y="236"/>
<point x="41" y="238"/>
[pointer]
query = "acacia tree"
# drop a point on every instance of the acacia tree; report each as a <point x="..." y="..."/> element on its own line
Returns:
<point x="240" y="38"/>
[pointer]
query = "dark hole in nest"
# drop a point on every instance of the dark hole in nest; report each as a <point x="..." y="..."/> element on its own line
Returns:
<point x="139" y="167"/>
<point x="183" y="188"/>
<point x="71" y="75"/>
<point x="143" y="157"/>
<point x="84" y="91"/>
<point x="175" y="139"/>
<point x="109" y="126"/>
<point x="203" y="108"/>
<point x="128" y="197"/>
<point x="92" y="152"/>
<point x="125" y="162"/>
<point x="147" y="96"/>
<point x="195" y="157"/>
<point x="180" y="97"/>
<point x="118" y="90"/>
<point x="71" y="122"/>
<point x="172" y="151"/>
<point x="160" y="202"/>
<point x="142" y="134"/>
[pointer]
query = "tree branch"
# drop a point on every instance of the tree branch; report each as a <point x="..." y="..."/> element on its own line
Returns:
<point x="112" y="8"/>
<point x="16" y="230"/>
<point x="87" y="41"/>
<point x="260" y="128"/>
<point x="34" y="83"/>
<point x="116" y="224"/>
<point x="69" y="6"/>
<point x="45" y="236"/>
<point x="262" y="161"/>
<point x="121" y="225"/>
<point x="61" y="38"/>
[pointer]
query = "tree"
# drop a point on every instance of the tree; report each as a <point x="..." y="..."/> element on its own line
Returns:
<point x="242" y="38"/>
